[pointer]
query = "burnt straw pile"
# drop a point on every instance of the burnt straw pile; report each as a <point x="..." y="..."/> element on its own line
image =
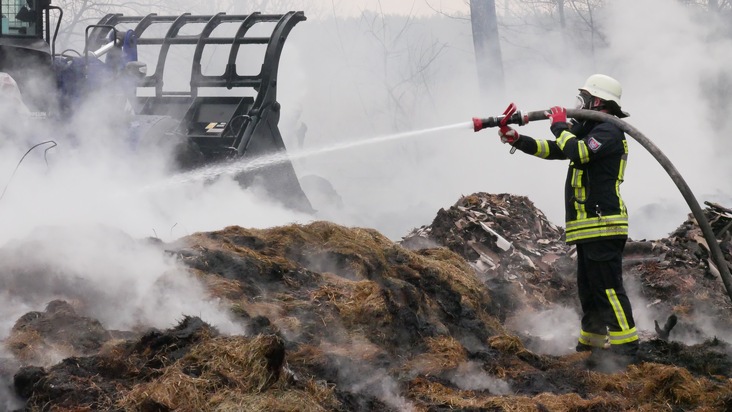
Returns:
<point x="344" y="319"/>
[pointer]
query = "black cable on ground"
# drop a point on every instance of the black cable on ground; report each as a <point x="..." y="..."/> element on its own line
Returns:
<point x="45" y="158"/>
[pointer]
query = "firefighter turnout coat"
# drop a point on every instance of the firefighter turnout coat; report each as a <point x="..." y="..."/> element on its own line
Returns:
<point x="598" y="153"/>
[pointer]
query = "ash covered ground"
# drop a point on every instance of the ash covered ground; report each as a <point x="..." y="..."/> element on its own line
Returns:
<point x="476" y="311"/>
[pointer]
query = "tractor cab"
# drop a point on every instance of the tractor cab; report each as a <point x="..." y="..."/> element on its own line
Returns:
<point x="26" y="48"/>
<point x="23" y="18"/>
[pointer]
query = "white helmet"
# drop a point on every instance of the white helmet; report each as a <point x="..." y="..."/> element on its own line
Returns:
<point x="606" y="88"/>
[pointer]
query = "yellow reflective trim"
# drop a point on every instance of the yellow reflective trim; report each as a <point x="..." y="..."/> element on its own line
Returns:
<point x="620" y="342"/>
<point x="591" y="335"/>
<point x="600" y="231"/>
<point x="621" y="172"/>
<point x="621" y="178"/>
<point x="597" y="221"/>
<point x="592" y="339"/>
<point x="575" y="236"/>
<point x="576" y="178"/>
<point x="591" y="234"/>
<point x="623" y="334"/>
<point x="579" y="193"/>
<point x="584" y="152"/>
<point x="564" y="138"/>
<point x="618" y="338"/>
<point x="618" y="309"/>
<point x="596" y="344"/>
<point x="542" y="148"/>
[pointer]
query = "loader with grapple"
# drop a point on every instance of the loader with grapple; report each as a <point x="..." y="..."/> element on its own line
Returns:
<point x="205" y="84"/>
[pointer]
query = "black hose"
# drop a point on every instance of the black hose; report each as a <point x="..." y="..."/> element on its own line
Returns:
<point x="45" y="154"/>
<point x="706" y="228"/>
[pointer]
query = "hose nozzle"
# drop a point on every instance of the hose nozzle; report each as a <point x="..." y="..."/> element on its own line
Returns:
<point x="482" y="123"/>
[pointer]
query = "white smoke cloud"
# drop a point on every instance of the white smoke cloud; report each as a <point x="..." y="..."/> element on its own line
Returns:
<point x="470" y="376"/>
<point x="83" y="202"/>
<point x="336" y="75"/>
<point x="380" y="384"/>
<point x="664" y="77"/>
<point x="556" y="328"/>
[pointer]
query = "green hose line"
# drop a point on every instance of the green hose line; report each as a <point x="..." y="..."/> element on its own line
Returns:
<point x="714" y="249"/>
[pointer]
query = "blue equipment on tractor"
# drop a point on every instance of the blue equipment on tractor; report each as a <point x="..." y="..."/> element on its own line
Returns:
<point x="215" y="117"/>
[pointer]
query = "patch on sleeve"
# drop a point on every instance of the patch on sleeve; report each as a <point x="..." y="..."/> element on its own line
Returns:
<point x="593" y="144"/>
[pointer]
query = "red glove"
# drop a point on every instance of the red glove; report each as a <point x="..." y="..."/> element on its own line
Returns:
<point x="557" y="114"/>
<point x="508" y="135"/>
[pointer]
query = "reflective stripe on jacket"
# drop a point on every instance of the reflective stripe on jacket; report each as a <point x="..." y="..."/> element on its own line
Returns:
<point x="598" y="154"/>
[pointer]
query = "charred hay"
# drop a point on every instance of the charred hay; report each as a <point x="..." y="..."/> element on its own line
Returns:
<point x="44" y="338"/>
<point x="343" y="319"/>
<point x="510" y="244"/>
<point x="523" y="260"/>
<point x="677" y="276"/>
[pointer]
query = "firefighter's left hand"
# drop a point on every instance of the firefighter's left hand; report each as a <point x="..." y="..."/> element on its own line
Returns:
<point x="557" y="114"/>
<point x="508" y="135"/>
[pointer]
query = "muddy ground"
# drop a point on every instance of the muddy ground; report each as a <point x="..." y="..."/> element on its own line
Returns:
<point x="344" y="319"/>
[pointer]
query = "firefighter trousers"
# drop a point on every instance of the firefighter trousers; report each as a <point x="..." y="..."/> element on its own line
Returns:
<point x="607" y="313"/>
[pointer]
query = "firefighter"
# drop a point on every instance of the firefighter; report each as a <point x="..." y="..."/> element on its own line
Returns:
<point x="596" y="216"/>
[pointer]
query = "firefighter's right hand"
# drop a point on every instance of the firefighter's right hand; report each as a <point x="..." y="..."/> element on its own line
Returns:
<point x="508" y="135"/>
<point x="557" y="114"/>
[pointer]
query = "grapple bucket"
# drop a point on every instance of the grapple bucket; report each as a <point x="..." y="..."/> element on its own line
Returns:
<point x="228" y="104"/>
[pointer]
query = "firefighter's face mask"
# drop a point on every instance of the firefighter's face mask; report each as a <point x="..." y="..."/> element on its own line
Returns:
<point x="587" y="101"/>
<point x="583" y="101"/>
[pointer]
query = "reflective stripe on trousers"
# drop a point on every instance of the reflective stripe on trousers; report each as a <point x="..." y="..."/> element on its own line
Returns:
<point x="606" y="309"/>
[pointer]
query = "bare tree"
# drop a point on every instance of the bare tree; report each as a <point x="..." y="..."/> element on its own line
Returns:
<point x="714" y="6"/>
<point x="271" y="6"/>
<point x="585" y="11"/>
<point x="487" y="46"/>
<point x="574" y="19"/>
<point x="78" y="14"/>
<point x="406" y="65"/>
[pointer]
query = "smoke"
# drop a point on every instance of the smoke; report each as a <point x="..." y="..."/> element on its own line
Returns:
<point x="553" y="331"/>
<point x="380" y="384"/>
<point x="363" y="376"/>
<point x="81" y="214"/>
<point x="354" y="71"/>
<point x="8" y="399"/>
<point x="675" y="108"/>
<point x="123" y="282"/>
<point x="74" y="217"/>
<point x="365" y="77"/>
<point x="470" y="376"/>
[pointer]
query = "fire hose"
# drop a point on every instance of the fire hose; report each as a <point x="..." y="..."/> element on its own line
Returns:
<point x="519" y="118"/>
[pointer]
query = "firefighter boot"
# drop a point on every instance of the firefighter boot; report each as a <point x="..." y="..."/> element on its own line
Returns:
<point x="615" y="359"/>
<point x="596" y="355"/>
<point x="626" y="353"/>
